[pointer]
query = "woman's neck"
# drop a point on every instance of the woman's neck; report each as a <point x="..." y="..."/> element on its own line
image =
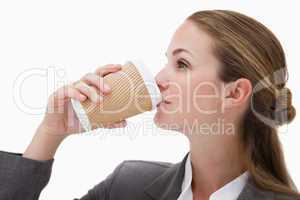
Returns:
<point x="215" y="162"/>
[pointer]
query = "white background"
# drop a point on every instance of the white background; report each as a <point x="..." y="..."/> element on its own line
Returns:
<point x="71" y="38"/>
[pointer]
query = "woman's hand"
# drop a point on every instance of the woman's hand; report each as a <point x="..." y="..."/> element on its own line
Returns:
<point x="60" y="119"/>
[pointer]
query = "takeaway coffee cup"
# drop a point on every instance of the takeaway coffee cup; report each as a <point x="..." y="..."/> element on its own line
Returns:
<point x="133" y="91"/>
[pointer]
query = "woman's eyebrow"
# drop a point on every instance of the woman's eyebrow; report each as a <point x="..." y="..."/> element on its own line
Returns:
<point x="176" y="51"/>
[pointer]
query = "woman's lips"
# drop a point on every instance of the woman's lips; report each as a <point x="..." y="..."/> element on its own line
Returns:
<point x="163" y="102"/>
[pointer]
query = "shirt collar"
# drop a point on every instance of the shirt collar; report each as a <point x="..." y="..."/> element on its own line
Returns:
<point x="229" y="191"/>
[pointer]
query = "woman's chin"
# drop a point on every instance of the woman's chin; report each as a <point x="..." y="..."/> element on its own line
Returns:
<point x="159" y="119"/>
<point x="156" y="119"/>
<point x="164" y="121"/>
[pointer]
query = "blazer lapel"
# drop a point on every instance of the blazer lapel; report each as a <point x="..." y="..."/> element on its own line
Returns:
<point x="168" y="185"/>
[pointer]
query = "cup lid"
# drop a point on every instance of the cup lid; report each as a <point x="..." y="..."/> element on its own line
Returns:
<point x="81" y="115"/>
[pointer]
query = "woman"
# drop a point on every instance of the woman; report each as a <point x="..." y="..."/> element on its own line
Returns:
<point x="213" y="52"/>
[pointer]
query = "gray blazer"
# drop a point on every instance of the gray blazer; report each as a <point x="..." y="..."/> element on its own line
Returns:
<point x="24" y="179"/>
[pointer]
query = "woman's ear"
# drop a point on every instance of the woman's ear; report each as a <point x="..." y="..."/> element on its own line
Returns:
<point x="237" y="93"/>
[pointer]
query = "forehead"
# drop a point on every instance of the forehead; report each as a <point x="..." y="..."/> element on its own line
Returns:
<point x="189" y="36"/>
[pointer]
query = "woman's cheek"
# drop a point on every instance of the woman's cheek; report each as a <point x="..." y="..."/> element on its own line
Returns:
<point x="205" y="98"/>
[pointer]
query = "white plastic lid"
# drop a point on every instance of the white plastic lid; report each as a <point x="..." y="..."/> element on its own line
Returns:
<point x="149" y="82"/>
<point x="81" y="115"/>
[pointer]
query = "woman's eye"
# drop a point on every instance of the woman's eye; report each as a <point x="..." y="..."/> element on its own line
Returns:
<point x="181" y="65"/>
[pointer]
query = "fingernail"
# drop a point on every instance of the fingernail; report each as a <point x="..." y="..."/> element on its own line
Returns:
<point x="95" y="98"/>
<point x="106" y="88"/>
<point x="99" y="98"/>
<point x="82" y="97"/>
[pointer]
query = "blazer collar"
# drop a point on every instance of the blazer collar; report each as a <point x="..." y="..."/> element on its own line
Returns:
<point x="168" y="185"/>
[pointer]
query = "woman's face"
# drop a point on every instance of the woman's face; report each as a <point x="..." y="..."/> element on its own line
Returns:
<point x="189" y="82"/>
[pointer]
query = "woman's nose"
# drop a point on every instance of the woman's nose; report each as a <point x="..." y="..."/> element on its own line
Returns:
<point x="162" y="84"/>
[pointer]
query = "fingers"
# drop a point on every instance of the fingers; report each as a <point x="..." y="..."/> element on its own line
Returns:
<point x="69" y="91"/>
<point x="92" y="85"/>
<point x="97" y="81"/>
<point x="89" y="91"/>
<point x="57" y="100"/>
<point x="107" y="69"/>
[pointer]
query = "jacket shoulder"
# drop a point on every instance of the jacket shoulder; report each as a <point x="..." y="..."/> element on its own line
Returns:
<point x="145" y="165"/>
<point x="128" y="180"/>
<point x="279" y="196"/>
<point x="134" y="175"/>
<point x="140" y="171"/>
<point x="253" y="191"/>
